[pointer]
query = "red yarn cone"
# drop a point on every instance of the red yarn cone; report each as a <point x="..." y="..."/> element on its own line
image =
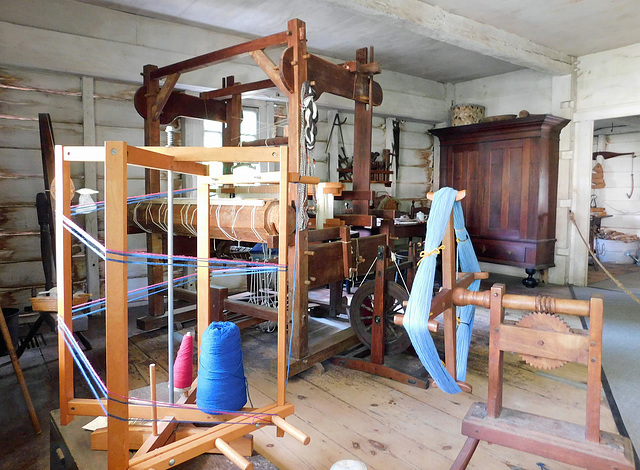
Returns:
<point x="183" y="366"/>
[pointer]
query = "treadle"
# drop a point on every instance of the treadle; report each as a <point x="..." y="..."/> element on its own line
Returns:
<point x="547" y="437"/>
<point x="380" y="370"/>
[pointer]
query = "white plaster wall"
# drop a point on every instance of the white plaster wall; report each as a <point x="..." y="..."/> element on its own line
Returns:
<point x="618" y="171"/>
<point x="509" y="93"/>
<point x="607" y="86"/>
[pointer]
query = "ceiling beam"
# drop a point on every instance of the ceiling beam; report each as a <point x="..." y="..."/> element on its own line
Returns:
<point x="437" y="24"/>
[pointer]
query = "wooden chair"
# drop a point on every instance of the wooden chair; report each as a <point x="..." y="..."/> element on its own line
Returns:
<point x="546" y="343"/>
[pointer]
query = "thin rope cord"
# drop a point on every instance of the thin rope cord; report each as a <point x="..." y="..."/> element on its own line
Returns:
<point x="593" y="255"/>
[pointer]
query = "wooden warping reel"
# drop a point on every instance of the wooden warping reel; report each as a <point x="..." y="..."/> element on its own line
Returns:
<point x="544" y="341"/>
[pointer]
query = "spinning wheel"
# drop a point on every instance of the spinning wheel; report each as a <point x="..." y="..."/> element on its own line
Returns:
<point x="361" y="316"/>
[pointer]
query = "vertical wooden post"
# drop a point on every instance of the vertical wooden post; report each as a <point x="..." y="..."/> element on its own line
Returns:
<point x="117" y="336"/>
<point x="496" y="355"/>
<point x="347" y="250"/>
<point x="231" y="131"/>
<point x="300" y="329"/>
<point x="594" y="369"/>
<point x="362" y="145"/>
<point x="379" y="321"/>
<point x="298" y="42"/>
<point x="63" y="280"/>
<point x="203" y="252"/>
<point x="449" y="282"/>
<point x="8" y="341"/>
<point x="152" y="184"/>
<point x="283" y="243"/>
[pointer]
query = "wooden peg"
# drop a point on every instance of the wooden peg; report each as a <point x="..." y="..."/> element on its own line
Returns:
<point x="233" y="455"/>
<point x="290" y="429"/>
<point x="433" y="325"/>
<point x="459" y="197"/>
<point x="309" y="253"/>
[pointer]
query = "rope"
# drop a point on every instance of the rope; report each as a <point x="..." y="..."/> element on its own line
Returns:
<point x="595" y="258"/>
<point x="417" y="313"/>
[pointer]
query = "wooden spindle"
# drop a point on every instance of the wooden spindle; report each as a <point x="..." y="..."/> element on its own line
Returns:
<point x="229" y="452"/>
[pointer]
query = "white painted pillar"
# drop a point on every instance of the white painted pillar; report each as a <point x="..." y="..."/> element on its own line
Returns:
<point x="90" y="181"/>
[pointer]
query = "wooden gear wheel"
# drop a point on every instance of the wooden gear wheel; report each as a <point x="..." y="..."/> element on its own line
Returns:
<point x="543" y="322"/>
<point x="361" y="316"/>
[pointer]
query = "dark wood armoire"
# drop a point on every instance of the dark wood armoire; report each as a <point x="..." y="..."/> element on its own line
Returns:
<point x="510" y="171"/>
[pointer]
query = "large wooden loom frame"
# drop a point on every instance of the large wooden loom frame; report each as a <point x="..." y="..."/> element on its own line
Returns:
<point x="352" y="80"/>
<point x="116" y="156"/>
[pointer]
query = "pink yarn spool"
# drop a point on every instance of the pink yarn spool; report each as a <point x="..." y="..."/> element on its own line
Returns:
<point x="183" y="366"/>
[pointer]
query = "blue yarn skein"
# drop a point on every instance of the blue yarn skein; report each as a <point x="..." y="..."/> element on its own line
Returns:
<point x="222" y="384"/>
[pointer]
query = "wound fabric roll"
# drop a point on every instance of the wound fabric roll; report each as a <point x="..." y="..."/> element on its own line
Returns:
<point x="222" y="384"/>
<point x="183" y="365"/>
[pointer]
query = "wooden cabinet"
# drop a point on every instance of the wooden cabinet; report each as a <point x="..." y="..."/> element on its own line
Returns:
<point x="510" y="171"/>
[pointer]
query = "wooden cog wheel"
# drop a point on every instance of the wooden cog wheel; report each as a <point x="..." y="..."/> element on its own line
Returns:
<point x="543" y="322"/>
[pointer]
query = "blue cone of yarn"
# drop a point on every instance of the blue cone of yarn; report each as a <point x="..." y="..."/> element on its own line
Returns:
<point x="222" y="385"/>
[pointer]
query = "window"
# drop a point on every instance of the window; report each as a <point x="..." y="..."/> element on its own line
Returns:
<point x="248" y="131"/>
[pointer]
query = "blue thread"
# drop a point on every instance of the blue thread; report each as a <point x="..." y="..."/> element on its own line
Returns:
<point x="221" y="379"/>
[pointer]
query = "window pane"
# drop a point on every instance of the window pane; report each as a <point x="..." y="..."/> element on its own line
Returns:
<point x="249" y="126"/>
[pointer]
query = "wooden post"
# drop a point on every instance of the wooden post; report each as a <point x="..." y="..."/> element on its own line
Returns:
<point x="362" y="145"/>
<point x="152" y="388"/>
<point x="496" y="355"/>
<point x="379" y="321"/>
<point x="16" y="367"/>
<point x="283" y="242"/>
<point x="63" y="281"/>
<point x="298" y="42"/>
<point x="116" y="303"/>
<point x="300" y="327"/>
<point x="204" y="253"/>
<point x="449" y="282"/>
<point x="594" y="369"/>
<point x="152" y="183"/>
<point x="231" y="131"/>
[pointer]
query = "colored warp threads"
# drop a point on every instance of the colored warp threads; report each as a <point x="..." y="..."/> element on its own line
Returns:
<point x="183" y="365"/>
<point x="221" y="381"/>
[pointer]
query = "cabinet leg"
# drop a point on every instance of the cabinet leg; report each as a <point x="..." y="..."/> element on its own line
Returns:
<point x="530" y="281"/>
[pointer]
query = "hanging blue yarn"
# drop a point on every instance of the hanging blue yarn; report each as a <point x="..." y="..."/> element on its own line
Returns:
<point x="468" y="264"/>
<point x="416" y="317"/>
<point x="222" y="384"/>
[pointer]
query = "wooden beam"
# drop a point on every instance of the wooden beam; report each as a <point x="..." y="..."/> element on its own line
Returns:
<point x="116" y="302"/>
<point x="149" y="159"/>
<point x="237" y="89"/>
<point x="432" y="22"/>
<point x="63" y="280"/>
<point x="163" y="95"/>
<point x="271" y="69"/>
<point x="221" y="154"/>
<point x="205" y="60"/>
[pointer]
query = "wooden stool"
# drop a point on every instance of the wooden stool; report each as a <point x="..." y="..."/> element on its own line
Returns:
<point x="545" y="342"/>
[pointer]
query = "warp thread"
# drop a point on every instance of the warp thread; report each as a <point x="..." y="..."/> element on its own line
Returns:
<point x="183" y="365"/>
<point x="221" y="381"/>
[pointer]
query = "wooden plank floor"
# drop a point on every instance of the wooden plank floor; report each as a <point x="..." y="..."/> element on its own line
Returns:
<point x="387" y="425"/>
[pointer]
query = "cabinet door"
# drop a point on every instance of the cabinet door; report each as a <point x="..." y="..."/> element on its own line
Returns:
<point x="504" y="202"/>
<point x="461" y="171"/>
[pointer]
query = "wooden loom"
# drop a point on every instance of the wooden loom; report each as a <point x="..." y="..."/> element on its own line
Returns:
<point x="116" y="156"/>
<point x="352" y="80"/>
